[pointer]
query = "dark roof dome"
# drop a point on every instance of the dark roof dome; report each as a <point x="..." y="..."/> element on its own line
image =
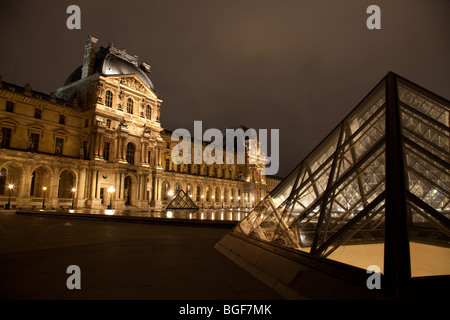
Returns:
<point x="113" y="65"/>
<point x="113" y="61"/>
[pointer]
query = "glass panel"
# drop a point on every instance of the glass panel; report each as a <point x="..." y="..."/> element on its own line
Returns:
<point x="424" y="104"/>
<point x="301" y="229"/>
<point x="357" y="145"/>
<point x="426" y="134"/>
<point x="259" y="214"/>
<point x="429" y="243"/>
<point x="427" y="180"/>
<point x="353" y="195"/>
<point x="361" y="243"/>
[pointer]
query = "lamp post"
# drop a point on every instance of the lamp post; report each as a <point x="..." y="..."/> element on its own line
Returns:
<point x="43" y="198"/>
<point x="10" y="187"/>
<point x="73" y="196"/>
<point x="111" y="190"/>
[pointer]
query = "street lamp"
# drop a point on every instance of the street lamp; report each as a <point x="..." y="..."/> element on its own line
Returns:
<point x="170" y="193"/>
<point x="10" y="187"/>
<point x="111" y="190"/>
<point x="43" y="198"/>
<point x="73" y="195"/>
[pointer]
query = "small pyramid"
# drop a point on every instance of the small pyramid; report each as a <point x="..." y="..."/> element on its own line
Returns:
<point x="181" y="201"/>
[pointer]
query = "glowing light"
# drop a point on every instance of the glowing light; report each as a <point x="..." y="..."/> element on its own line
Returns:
<point x="44" y="188"/>
<point x="74" y="189"/>
<point x="169" y="214"/>
<point x="170" y="193"/>
<point x="109" y="212"/>
<point x="111" y="189"/>
<point x="11" y="186"/>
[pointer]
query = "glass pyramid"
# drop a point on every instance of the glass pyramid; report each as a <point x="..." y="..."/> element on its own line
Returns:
<point x="181" y="201"/>
<point x="375" y="191"/>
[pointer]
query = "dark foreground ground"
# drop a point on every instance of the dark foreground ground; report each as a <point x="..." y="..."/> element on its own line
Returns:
<point x="118" y="260"/>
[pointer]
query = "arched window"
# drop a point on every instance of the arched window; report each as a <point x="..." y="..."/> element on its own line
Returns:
<point x="148" y="112"/>
<point x="177" y="188"/>
<point x="130" y="153"/>
<point x="198" y="195"/>
<point x="130" y="105"/>
<point x="165" y="190"/>
<point x="3" y="174"/>
<point x="217" y="194"/>
<point x="207" y="193"/>
<point x="188" y="190"/>
<point x="108" y="99"/>
<point x="66" y="183"/>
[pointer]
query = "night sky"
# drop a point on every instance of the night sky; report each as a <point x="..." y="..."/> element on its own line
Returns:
<point x="297" y="66"/>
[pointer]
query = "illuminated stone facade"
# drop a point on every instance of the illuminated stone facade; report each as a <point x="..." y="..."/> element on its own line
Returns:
<point x="98" y="142"/>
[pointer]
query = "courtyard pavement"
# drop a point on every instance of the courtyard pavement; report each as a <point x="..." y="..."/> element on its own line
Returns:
<point x="118" y="260"/>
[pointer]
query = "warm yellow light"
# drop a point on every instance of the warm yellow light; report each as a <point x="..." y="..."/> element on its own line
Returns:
<point x="11" y="186"/>
<point x="202" y="196"/>
<point x="111" y="189"/>
<point x="74" y="189"/>
<point x="44" y="188"/>
<point x="170" y="193"/>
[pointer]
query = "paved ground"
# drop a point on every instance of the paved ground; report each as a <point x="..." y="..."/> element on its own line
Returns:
<point x="118" y="260"/>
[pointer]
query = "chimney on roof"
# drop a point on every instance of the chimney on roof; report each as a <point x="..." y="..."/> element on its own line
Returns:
<point x="90" y="48"/>
<point x="145" y="67"/>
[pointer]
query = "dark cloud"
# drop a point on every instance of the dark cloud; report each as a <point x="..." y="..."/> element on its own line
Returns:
<point x="297" y="66"/>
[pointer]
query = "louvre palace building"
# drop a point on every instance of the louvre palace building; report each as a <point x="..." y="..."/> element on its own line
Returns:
<point x="98" y="142"/>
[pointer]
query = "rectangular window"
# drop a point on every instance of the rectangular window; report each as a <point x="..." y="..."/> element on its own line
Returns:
<point x="5" y="137"/>
<point x="9" y="106"/>
<point x="62" y="119"/>
<point x="59" y="146"/>
<point x="34" y="142"/>
<point x="37" y="113"/>
<point x="108" y="123"/>
<point x="106" y="150"/>
<point x="86" y="123"/>
<point x="148" y="156"/>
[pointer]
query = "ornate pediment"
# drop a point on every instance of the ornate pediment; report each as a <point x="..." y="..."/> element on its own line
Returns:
<point x="133" y="83"/>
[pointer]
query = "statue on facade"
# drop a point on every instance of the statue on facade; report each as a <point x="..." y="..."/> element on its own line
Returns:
<point x="30" y="144"/>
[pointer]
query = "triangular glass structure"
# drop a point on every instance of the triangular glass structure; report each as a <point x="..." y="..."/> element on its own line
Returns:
<point x="375" y="191"/>
<point x="181" y="201"/>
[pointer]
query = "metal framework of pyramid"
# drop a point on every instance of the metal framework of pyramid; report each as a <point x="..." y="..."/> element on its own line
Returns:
<point x="181" y="201"/>
<point x="375" y="191"/>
